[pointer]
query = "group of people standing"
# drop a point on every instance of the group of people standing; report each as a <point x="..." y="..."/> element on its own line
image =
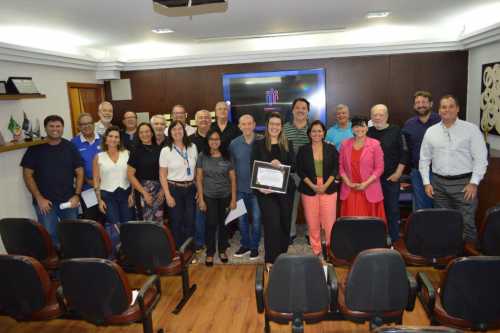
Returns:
<point x="196" y="175"/>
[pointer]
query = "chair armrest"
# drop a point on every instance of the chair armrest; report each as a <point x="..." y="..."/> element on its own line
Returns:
<point x="412" y="295"/>
<point x="61" y="300"/>
<point x="153" y="280"/>
<point x="259" y="288"/>
<point x="424" y="282"/>
<point x="186" y="245"/>
<point x="471" y="250"/>
<point x="332" y="283"/>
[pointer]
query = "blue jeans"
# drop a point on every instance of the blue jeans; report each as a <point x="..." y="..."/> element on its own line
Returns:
<point x="420" y="199"/>
<point x="50" y="220"/>
<point x="250" y="240"/>
<point x="391" y="206"/>
<point x="182" y="214"/>
<point x="116" y="202"/>
<point x="199" y="230"/>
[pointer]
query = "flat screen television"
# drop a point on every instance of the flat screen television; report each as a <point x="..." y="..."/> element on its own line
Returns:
<point x="263" y="92"/>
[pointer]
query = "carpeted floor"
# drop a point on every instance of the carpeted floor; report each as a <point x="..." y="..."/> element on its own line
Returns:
<point x="299" y="246"/>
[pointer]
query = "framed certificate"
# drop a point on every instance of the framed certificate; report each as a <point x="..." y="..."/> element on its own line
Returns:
<point x="266" y="176"/>
<point x="21" y="85"/>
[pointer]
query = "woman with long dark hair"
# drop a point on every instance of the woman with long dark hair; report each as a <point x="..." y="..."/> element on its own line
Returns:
<point x="144" y="173"/>
<point x="177" y="171"/>
<point x="216" y="182"/>
<point x="276" y="208"/>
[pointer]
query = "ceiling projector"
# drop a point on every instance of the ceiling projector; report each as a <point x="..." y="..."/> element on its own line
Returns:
<point x="189" y="7"/>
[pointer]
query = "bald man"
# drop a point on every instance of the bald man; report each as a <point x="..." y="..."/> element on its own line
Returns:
<point x="129" y="122"/>
<point x="229" y="130"/>
<point x="179" y="113"/>
<point x="396" y="157"/>
<point x="105" y="113"/>
<point x="241" y="149"/>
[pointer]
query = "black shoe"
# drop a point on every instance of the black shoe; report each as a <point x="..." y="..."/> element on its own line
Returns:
<point x="307" y="239"/>
<point x="254" y="254"/>
<point x="223" y="257"/>
<point x="209" y="263"/>
<point x="199" y="248"/>
<point x="242" y="251"/>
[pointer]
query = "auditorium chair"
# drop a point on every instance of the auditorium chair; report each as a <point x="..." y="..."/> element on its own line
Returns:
<point x="488" y="236"/>
<point x="149" y="248"/>
<point x="26" y="290"/>
<point x="377" y="289"/>
<point x="466" y="297"/>
<point x="84" y="239"/>
<point x="351" y="235"/>
<point x="99" y="292"/>
<point x="28" y="238"/>
<point x="297" y="291"/>
<point x="432" y="237"/>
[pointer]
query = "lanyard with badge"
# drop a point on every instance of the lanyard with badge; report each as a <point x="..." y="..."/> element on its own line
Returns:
<point x="184" y="155"/>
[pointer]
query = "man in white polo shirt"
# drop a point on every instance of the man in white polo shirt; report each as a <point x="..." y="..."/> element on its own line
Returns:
<point x="457" y="151"/>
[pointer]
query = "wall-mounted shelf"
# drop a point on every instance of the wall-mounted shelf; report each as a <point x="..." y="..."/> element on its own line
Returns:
<point x="20" y="96"/>
<point x="20" y="145"/>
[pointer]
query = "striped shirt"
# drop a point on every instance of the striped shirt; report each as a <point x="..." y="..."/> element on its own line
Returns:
<point x="297" y="135"/>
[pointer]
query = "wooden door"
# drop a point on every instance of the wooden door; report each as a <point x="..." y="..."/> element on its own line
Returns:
<point x="84" y="97"/>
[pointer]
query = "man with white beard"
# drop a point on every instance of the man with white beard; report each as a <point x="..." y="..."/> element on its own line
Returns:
<point x="105" y="112"/>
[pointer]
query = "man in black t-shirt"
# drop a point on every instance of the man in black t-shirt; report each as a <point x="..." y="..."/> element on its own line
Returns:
<point x="49" y="172"/>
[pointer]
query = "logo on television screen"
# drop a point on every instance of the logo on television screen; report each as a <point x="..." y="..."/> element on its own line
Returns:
<point x="272" y="96"/>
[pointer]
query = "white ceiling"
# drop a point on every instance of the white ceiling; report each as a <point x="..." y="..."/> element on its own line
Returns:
<point x="109" y="30"/>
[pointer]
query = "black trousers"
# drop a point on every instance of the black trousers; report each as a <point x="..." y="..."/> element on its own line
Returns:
<point x="276" y="211"/>
<point x="217" y="209"/>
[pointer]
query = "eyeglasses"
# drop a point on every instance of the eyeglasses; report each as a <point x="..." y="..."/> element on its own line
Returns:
<point x="85" y="124"/>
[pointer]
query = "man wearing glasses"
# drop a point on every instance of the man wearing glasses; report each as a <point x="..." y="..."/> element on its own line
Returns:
<point x="179" y="113"/>
<point x="88" y="144"/>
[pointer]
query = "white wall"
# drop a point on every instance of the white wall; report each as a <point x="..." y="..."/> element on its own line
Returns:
<point x="15" y="200"/>
<point x="477" y="57"/>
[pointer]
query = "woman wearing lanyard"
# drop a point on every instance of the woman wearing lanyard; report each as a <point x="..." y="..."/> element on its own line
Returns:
<point x="216" y="182"/>
<point x="177" y="169"/>
<point x="143" y="173"/>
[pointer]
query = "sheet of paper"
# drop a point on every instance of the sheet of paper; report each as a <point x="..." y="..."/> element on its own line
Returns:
<point x="134" y="296"/>
<point x="270" y="177"/>
<point x="240" y="210"/>
<point x="89" y="197"/>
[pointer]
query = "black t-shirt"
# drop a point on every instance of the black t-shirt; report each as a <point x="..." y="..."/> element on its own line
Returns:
<point x="54" y="169"/>
<point x="200" y="142"/>
<point x="393" y="145"/>
<point x="146" y="162"/>
<point x="231" y="131"/>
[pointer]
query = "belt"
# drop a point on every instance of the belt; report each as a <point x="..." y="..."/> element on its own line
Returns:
<point x="456" y="177"/>
<point x="181" y="184"/>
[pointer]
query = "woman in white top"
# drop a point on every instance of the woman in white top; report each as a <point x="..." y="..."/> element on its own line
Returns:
<point x="177" y="170"/>
<point x="110" y="178"/>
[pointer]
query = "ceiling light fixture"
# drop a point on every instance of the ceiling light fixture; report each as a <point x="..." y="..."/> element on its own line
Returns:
<point x="162" y="30"/>
<point x="380" y="14"/>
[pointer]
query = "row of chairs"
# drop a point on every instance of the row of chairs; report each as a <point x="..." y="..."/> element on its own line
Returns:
<point x="378" y="289"/>
<point x="431" y="237"/>
<point x="86" y="259"/>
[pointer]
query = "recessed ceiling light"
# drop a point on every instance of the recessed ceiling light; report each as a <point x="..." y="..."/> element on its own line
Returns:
<point x="373" y="15"/>
<point x="162" y="30"/>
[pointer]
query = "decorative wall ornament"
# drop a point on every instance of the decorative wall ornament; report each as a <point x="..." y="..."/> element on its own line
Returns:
<point x="490" y="99"/>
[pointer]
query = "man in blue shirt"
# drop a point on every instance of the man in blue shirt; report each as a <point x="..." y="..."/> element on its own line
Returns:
<point x="342" y="128"/>
<point x="414" y="130"/>
<point x="241" y="149"/>
<point x="88" y="144"/>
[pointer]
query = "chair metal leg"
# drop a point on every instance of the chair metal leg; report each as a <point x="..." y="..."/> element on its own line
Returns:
<point x="187" y="291"/>
<point x="297" y="323"/>
<point x="267" y="328"/>
<point x="147" y="324"/>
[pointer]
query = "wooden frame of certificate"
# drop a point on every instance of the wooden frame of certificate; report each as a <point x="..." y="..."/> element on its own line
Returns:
<point x="266" y="176"/>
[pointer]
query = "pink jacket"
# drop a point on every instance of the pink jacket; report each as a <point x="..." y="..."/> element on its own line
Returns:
<point x="372" y="163"/>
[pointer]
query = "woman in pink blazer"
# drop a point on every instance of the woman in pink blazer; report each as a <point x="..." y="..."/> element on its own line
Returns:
<point x="360" y="167"/>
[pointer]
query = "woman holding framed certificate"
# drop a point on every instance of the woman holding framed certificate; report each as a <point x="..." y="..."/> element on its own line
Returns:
<point x="361" y="165"/>
<point x="276" y="207"/>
